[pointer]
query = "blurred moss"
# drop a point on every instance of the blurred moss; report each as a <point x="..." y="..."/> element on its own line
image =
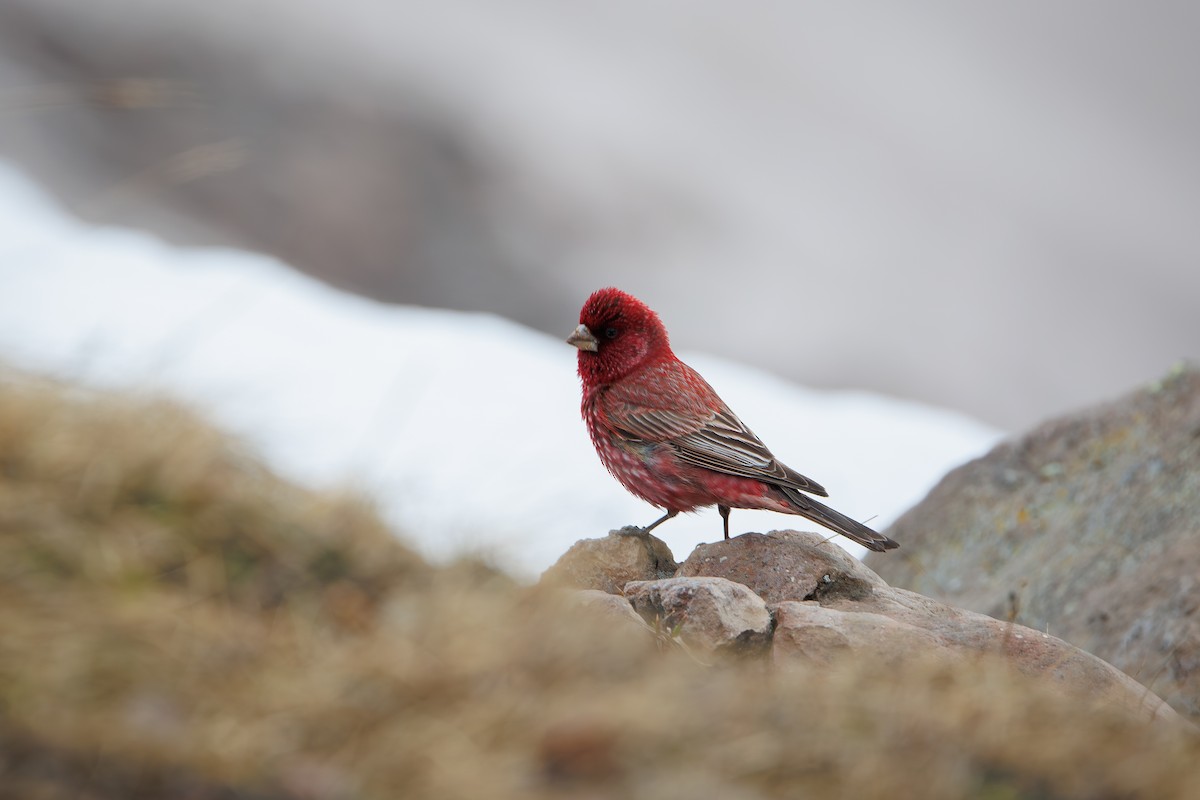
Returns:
<point x="176" y="621"/>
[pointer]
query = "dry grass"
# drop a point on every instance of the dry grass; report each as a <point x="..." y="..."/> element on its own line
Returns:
<point x="177" y="622"/>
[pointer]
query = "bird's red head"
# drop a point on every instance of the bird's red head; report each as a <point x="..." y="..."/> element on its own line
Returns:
<point x="617" y="334"/>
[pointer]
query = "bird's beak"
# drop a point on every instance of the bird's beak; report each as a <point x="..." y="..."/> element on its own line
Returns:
<point x="583" y="339"/>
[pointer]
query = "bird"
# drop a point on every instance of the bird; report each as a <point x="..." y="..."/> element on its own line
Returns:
<point x="666" y="435"/>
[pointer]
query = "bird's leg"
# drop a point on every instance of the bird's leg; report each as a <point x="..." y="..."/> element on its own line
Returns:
<point x="724" y="512"/>
<point x="659" y="521"/>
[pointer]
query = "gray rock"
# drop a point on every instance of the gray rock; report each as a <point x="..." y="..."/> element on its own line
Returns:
<point x="894" y="625"/>
<point x="605" y="604"/>
<point x="712" y="616"/>
<point x="608" y="564"/>
<point x="1088" y="528"/>
<point x="807" y="634"/>
<point x="782" y="565"/>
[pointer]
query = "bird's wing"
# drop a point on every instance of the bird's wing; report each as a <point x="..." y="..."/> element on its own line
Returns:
<point x="703" y="431"/>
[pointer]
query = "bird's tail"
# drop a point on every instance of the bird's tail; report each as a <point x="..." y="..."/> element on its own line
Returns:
<point x="837" y="521"/>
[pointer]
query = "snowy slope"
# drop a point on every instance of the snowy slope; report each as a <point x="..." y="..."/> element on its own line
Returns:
<point x="464" y="427"/>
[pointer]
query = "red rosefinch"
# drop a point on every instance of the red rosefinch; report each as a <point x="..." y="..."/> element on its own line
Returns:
<point x="663" y="432"/>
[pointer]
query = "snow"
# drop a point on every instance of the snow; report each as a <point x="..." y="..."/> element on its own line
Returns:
<point x="463" y="428"/>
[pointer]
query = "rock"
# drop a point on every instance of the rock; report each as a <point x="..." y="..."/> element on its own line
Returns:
<point x="782" y="565"/>
<point x="608" y="564"/>
<point x="895" y="625"/>
<point x="811" y="603"/>
<point x="806" y="633"/>
<point x="713" y="616"/>
<point x="1088" y="527"/>
<point x="608" y="605"/>
<point x="827" y="604"/>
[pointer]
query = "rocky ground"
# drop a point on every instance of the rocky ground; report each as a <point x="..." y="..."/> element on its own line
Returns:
<point x="800" y="602"/>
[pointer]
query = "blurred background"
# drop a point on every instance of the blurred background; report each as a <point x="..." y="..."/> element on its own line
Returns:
<point x="992" y="207"/>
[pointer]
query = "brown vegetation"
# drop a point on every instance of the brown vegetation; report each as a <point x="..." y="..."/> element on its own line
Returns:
<point x="176" y="621"/>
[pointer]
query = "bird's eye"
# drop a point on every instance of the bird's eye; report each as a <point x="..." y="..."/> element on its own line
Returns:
<point x="611" y="333"/>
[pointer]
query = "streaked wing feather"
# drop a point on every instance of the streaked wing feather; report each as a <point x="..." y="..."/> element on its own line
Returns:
<point x="727" y="445"/>
<point x="718" y="441"/>
<point x="659" y="425"/>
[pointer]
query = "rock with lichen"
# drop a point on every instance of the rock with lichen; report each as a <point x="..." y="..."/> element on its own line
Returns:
<point x="1087" y="527"/>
